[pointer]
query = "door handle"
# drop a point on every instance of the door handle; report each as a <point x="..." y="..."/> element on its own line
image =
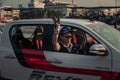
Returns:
<point x="56" y="61"/>
<point x="9" y="56"/>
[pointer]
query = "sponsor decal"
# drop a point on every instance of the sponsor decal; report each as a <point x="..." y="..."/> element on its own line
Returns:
<point x="36" y="60"/>
<point x="41" y="75"/>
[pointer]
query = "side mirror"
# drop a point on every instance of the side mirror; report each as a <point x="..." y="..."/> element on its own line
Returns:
<point x="97" y="49"/>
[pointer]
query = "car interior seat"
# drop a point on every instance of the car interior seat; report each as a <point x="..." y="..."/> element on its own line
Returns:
<point x="21" y="41"/>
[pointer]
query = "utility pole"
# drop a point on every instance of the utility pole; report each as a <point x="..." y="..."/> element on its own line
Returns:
<point x="18" y="3"/>
<point x="115" y="22"/>
<point x="116" y="5"/>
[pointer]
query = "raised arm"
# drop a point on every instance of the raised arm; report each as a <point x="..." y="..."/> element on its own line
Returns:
<point x="55" y="36"/>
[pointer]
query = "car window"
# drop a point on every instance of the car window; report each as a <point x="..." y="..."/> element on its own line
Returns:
<point x="22" y="36"/>
<point x="30" y="34"/>
<point x="76" y="41"/>
<point x="84" y="41"/>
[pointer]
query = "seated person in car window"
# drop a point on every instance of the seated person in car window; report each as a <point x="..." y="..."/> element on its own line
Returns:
<point x="37" y="39"/>
<point x="85" y="41"/>
<point x="21" y="41"/>
<point x="64" y="44"/>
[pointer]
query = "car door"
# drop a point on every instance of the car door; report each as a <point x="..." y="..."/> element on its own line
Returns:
<point x="82" y="65"/>
<point x="23" y="59"/>
<point x="13" y="62"/>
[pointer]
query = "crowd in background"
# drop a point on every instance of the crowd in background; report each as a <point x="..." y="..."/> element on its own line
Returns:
<point x="113" y="19"/>
<point x="98" y="15"/>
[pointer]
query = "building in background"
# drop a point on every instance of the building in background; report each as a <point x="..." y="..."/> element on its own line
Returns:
<point x="16" y="14"/>
<point x="7" y="13"/>
<point x="82" y="3"/>
<point x="61" y="8"/>
<point x="35" y="4"/>
<point x="36" y="8"/>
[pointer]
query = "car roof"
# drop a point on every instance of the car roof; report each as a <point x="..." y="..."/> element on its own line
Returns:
<point x="49" y="20"/>
<point x="64" y="21"/>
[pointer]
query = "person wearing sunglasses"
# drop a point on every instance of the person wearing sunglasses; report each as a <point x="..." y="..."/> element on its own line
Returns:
<point x="62" y="40"/>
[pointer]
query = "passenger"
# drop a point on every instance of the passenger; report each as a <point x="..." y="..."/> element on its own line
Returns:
<point x="37" y="39"/>
<point x="21" y="41"/>
<point x="65" y="39"/>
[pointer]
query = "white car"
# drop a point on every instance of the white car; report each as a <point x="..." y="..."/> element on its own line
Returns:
<point x="2" y="26"/>
<point x="98" y="58"/>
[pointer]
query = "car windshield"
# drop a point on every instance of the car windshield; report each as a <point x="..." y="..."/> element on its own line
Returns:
<point x="107" y="32"/>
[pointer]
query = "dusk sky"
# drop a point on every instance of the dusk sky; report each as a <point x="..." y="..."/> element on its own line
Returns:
<point x="87" y="3"/>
